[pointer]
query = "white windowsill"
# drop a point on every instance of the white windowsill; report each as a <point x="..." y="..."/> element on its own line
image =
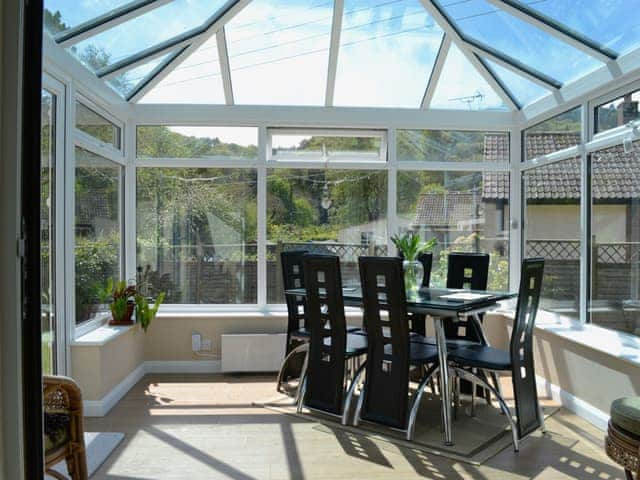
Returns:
<point x="101" y="335"/>
<point x="620" y="345"/>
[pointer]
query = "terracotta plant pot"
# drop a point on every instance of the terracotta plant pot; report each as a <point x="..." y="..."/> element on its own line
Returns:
<point x="127" y="317"/>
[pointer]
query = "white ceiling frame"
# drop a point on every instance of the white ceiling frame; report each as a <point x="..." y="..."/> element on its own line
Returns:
<point x="225" y="69"/>
<point x="192" y="47"/>
<point x="444" y="23"/>
<point x="107" y="21"/>
<point x="538" y="20"/>
<point x="438" y="66"/>
<point x="334" y="48"/>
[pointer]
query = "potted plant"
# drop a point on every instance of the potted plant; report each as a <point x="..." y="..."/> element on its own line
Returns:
<point x="410" y="245"/>
<point x="145" y="313"/>
<point x="122" y="302"/>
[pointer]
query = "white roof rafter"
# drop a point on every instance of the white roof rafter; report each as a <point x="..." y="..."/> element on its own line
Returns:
<point x="213" y="25"/>
<point x="449" y="28"/>
<point x="225" y="69"/>
<point x="334" y="48"/>
<point x="438" y="66"/>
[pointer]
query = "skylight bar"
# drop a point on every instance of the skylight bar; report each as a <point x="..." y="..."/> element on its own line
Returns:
<point x="499" y="81"/>
<point x="514" y="65"/>
<point x="442" y="19"/>
<point x="220" y="19"/>
<point x="556" y="29"/>
<point x="184" y="39"/>
<point x="225" y="70"/>
<point x="109" y="20"/>
<point x="336" y="30"/>
<point x="141" y="85"/>
<point x="436" y="71"/>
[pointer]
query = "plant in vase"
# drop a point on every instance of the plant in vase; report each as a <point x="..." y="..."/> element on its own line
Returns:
<point x="122" y="303"/>
<point x="410" y="245"/>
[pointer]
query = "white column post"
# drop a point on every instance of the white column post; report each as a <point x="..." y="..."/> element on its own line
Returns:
<point x="262" y="216"/>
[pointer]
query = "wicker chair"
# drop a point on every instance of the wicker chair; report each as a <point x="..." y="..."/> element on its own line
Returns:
<point x="623" y="437"/>
<point x="63" y="428"/>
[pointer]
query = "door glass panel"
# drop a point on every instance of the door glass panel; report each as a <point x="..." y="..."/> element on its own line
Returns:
<point x="47" y="236"/>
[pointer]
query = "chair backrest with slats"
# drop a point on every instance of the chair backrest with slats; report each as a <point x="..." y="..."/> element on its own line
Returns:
<point x="468" y="270"/>
<point x="523" y="374"/>
<point x="293" y="277"/>
<point x="325" y="313"/>
<point x="385" y="318"/>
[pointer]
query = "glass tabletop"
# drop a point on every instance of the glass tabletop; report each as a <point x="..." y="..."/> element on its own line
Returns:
<point x="427" y="300"/>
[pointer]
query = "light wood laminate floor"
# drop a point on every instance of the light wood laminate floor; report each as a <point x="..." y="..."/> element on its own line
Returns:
<point x="205" y="427"/>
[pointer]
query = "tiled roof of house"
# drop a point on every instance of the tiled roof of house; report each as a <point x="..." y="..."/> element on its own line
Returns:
<point x="448" y="209"/>
<point x="616" y="174"/>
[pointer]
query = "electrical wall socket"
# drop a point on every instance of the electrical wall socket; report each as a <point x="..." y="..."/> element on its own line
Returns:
<point x="206" y="345"/>
<point x="196" y="342"/>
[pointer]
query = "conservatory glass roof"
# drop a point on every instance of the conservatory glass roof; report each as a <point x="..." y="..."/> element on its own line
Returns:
<point x="445" y="54"/>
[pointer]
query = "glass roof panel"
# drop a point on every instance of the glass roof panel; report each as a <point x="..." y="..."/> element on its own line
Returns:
<point x="387" y="51"/>
<point x="196" y="80"/>
<point x="524" y="90"/>
<point x="608" y="22"/>
<point x="59" y="15"/>
<point x="461" y="87"/>
<point x="127" y="81"/>
<point x="279" y="51"/>
<point x="144" y="31"/>
<point x="482" y="21"/>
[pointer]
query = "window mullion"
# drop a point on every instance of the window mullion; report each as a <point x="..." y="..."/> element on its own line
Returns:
<point x="262" y="216"/>
<point x="392" y="189"/>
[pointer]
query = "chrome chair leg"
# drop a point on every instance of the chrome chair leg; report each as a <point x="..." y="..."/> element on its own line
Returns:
<point x="413" y="414"/>
<point x="543" y="427"/>
<point x="302" y="387"/>
<point x="299" y="349"/>
<point x="352" y="388"/>
<point x="503" y="405"/>
<point x="356" y="415"/>
<point x="473" y="397"/>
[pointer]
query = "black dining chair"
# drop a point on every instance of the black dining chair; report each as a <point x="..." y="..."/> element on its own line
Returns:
<point x="331" y="347"/>
<point x="298" y="332"/>
<point x="518" y="360"/>
<point x="390" y="356"/>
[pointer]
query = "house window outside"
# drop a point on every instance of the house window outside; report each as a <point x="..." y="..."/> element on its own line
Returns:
<point x="552" y="230"/>
<point x="196" y="234"/>
<point x="615" y="238"/>
<point x="618" y="112"/>
<point x="339" y="212"/>
<point x="97" y="126"/>
<point x="465" y="211"/>
<point x="557" y="133"/>
<point x="98" y="231"/>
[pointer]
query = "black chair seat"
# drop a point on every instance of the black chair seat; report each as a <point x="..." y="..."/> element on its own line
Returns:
<point x="356" y="344"/>
<point x="419" y="353"/>
<point x="452" y="344"/>
<point x="481" y="356"/>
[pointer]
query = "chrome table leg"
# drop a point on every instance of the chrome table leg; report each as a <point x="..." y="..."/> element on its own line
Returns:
<point x="445" y="390"/>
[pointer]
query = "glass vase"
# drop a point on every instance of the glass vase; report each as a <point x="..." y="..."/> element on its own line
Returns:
<point x="413" y="273"/>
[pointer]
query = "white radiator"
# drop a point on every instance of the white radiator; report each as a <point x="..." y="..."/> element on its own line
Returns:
<point x="253" y="352"/>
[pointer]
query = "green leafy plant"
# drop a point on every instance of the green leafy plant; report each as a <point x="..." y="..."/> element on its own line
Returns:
<point x="145" y="313"/>
<point x="411" y="245"/>
<point x="122" y="295"/>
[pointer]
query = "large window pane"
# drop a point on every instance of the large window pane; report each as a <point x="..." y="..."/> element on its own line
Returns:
<point x="47" y="231"/>
<point x="615" y="230"/>
<point x="387" y="51"/>
<point x="98" y="199"/>
<point x="557" y="133"/>
<point x="196" y="234"/>
<point x="618" y="112"/>
<point x="552" y="230"/>
<point x="97" y="126"/>
<point x="341" y="212"/>
<point x="279" y="52"/>
<point x="452" y="146"/>
<point x="219" y="143"/>
<point x="464" y="211"/>
<point x="334" y="146"/>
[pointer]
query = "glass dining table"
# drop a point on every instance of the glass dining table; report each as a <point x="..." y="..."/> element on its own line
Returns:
<point x="440" y="304"/>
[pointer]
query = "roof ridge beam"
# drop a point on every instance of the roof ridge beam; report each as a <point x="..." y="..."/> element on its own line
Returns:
<point x="556" y="29"/>
<point x="334" y="49"/>
<point x="436" y="71"/>
<point x="215" y="23"/>
<point x="447" y="25"/>
<point x="514" y="65"/>
<point x="208" y="28"/>
<point x="99" y="24"/>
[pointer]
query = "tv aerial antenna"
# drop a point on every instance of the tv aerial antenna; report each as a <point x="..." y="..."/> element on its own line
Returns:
<point x="470" y="99"/>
